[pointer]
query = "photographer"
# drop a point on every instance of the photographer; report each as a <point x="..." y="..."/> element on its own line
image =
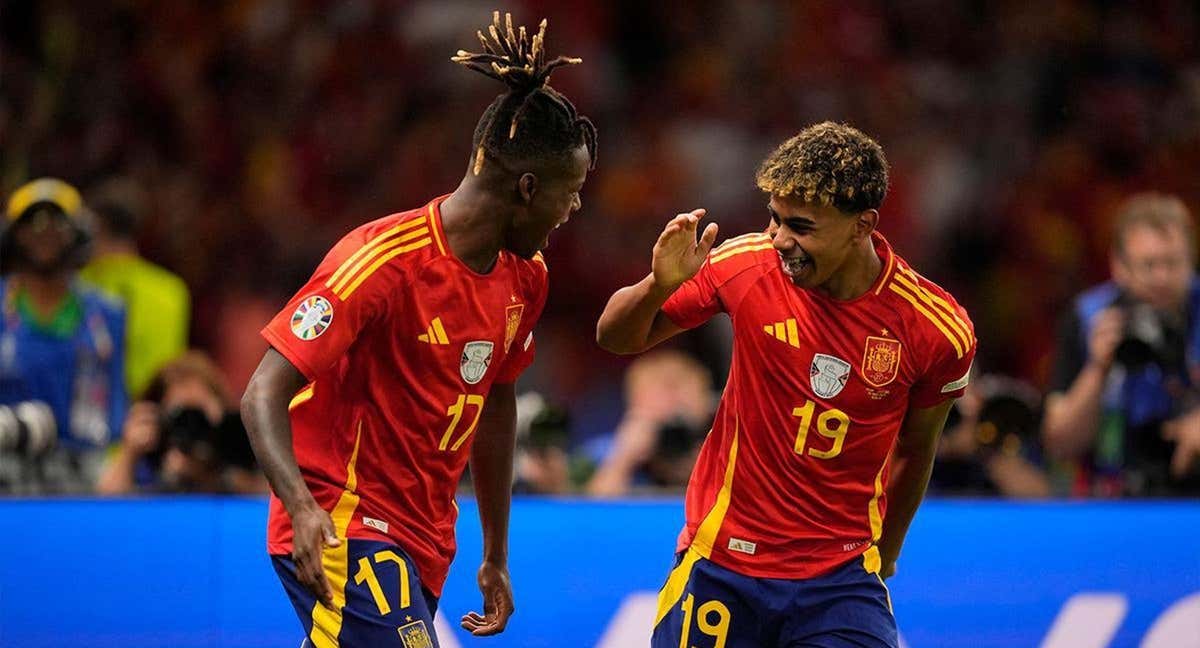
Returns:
<point x="183" y="438"/>
<point x="669" y="409"/>
<point x="61" y="348"/>
<point x="1124" y="396"/>
<point x="990" y="444"/>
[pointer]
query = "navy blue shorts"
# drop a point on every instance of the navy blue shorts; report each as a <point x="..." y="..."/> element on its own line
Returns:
<point x="378" y="599"/>
<point x="704" y="605"/>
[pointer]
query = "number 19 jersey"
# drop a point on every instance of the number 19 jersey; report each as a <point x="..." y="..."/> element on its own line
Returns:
<point x="790" y="481"/>
<point x="401" y="342"/>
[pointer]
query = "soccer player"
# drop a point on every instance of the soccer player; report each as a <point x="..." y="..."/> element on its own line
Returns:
<point x="845" y="364"/>
<point x="394" y="366"/>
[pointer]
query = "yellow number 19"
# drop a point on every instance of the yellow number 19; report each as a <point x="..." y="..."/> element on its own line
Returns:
<point x="720" y="629"/>
<point x="832" y="424"/>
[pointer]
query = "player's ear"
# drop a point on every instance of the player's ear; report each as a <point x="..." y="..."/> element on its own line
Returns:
<point x="527" y="186"/>
<point x="866" y="223"/>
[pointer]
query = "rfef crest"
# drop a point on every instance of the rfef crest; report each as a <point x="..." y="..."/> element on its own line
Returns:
<point x="881" y="361"/>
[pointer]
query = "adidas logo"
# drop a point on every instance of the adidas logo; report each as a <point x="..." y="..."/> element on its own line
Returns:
<point x="784" y="331"/>
<point x="435" y="334"/>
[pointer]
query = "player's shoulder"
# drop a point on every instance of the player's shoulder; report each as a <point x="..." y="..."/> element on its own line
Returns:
<point x="382" y="248"/>
<point x="927" y="308"/>
<point x="742" y="253"/>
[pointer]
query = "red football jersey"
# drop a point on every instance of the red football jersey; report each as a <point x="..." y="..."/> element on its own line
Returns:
<point x="402" y="342"/>
<point x="790" y="481"/>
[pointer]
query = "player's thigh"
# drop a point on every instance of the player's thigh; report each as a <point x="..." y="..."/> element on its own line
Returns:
<point x="848" y="608"/>
<point x="705" y="606"/>
<point x="380" y="601"/>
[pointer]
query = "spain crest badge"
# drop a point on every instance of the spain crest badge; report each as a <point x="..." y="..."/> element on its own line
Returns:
<point x="881" y="361"/>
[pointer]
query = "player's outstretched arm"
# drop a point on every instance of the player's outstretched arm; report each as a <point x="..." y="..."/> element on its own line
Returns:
<point x="632" y="321"/>
<point x="912" y="464"/>
<point x="491" y="473"/>
<point x="265" y="413"/>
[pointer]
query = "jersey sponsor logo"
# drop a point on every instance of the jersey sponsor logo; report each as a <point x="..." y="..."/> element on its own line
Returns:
<point x="378" y="525"/>
<point x="828" y="375"/>
<point x="512" y="322"/>
<point x="415" y="635"/>
<point x="785" y="331"/>
<point x="476" y="357"/>
<point x="881" y="360"/>
<point x="958" y="384"/>
<point x="435" y="333"/>
<point x="744" y="546"/>
<point x="312" y="317"/>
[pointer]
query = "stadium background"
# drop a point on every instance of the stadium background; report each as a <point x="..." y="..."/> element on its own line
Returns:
<point x="261" y="130"/>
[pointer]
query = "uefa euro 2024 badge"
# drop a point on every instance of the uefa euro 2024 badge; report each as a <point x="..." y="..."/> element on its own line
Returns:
<point x="312" y="317"/>
<point x="476" y="357"/>
<point x="828" y="375"/>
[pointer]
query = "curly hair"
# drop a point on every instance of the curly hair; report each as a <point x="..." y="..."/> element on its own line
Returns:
<point x="828" y="164"/>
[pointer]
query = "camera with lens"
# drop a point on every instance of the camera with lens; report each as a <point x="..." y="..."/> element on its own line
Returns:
<point x="1149" y="338"/>
<point x="27" y="429"/>
<point x="189" y="430"/>
<point x="679" y="436"/>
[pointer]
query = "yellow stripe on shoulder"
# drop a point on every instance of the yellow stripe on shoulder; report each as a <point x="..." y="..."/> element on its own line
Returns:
<point x="752" y="246"/>
<point x="755" y="237"/>
<point x="949" y="314"/>
<point x="369" y="246"/>
<point x="541" y="260"/>
<point x="362" y="276"/>
<point x="937" y="321"/>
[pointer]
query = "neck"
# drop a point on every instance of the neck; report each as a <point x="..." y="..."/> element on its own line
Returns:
<point x="857" y="274"/>
<point x="46" y="292"/>
<point x="474" y="219"/>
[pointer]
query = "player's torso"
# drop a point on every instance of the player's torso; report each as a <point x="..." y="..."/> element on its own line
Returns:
<point x="816" y="394"/>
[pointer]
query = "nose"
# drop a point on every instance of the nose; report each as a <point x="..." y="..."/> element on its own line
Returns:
<point x="781" y="240"/>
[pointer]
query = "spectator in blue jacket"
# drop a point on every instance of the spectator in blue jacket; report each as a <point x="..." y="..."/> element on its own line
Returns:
<point x="1125" y="399"/>
<point x="62" y="390"/>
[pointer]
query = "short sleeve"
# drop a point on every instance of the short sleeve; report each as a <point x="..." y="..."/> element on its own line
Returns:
<point x="946" y="379"/>
<point x="320" y="322"/>
<point x="697" y="300"/>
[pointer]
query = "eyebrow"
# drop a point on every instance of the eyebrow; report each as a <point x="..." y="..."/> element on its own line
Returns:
<point x="791" y="220"/>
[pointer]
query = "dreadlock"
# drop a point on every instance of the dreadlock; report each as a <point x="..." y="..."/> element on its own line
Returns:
<point x="541" y="121"/>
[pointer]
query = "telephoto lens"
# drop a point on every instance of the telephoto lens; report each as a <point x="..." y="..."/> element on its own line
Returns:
<point x="27" y="429"/>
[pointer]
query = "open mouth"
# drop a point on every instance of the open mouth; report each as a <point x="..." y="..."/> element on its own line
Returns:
<point x="794" y="266"/>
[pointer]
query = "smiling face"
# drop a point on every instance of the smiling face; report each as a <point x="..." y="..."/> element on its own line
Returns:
<point x="814" y="241"/>
<point x="553" y="197"/>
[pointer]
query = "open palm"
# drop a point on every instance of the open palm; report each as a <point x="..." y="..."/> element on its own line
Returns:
<point x="678" y="255"/>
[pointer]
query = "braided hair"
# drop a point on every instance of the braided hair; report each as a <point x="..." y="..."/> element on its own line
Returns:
<point x="531" y="120"/>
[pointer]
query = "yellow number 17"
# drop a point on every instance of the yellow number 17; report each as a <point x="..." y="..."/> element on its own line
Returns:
<point x="832" y="424"/>
<point x="455" y="413"/>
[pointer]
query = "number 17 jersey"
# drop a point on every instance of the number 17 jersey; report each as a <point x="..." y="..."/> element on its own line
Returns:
<point x="401" y="342"/>
<point x="790" y="482"/>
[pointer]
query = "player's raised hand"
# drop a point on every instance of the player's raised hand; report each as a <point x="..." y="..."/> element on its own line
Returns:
<point x="496" y="587"/>
<point x="312" y="531"/>
<point x="678" y="255"/>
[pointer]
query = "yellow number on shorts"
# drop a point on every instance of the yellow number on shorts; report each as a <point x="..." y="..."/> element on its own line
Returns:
<point x="366" y="573"/>
<point x="832" y="424"/>
<point x="719" y="630"/>
<point x="455" y="413"/>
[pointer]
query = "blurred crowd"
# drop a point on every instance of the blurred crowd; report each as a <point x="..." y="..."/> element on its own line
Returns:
<point x="229" y="144"/>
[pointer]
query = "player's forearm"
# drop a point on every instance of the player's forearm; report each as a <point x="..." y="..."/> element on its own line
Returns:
<point x="492" y="470"/>
<point x="626" y="324"/>
<point x="1073" y="417"/>
<point x="265" y="414"/>
<point x="910" y="478"/>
